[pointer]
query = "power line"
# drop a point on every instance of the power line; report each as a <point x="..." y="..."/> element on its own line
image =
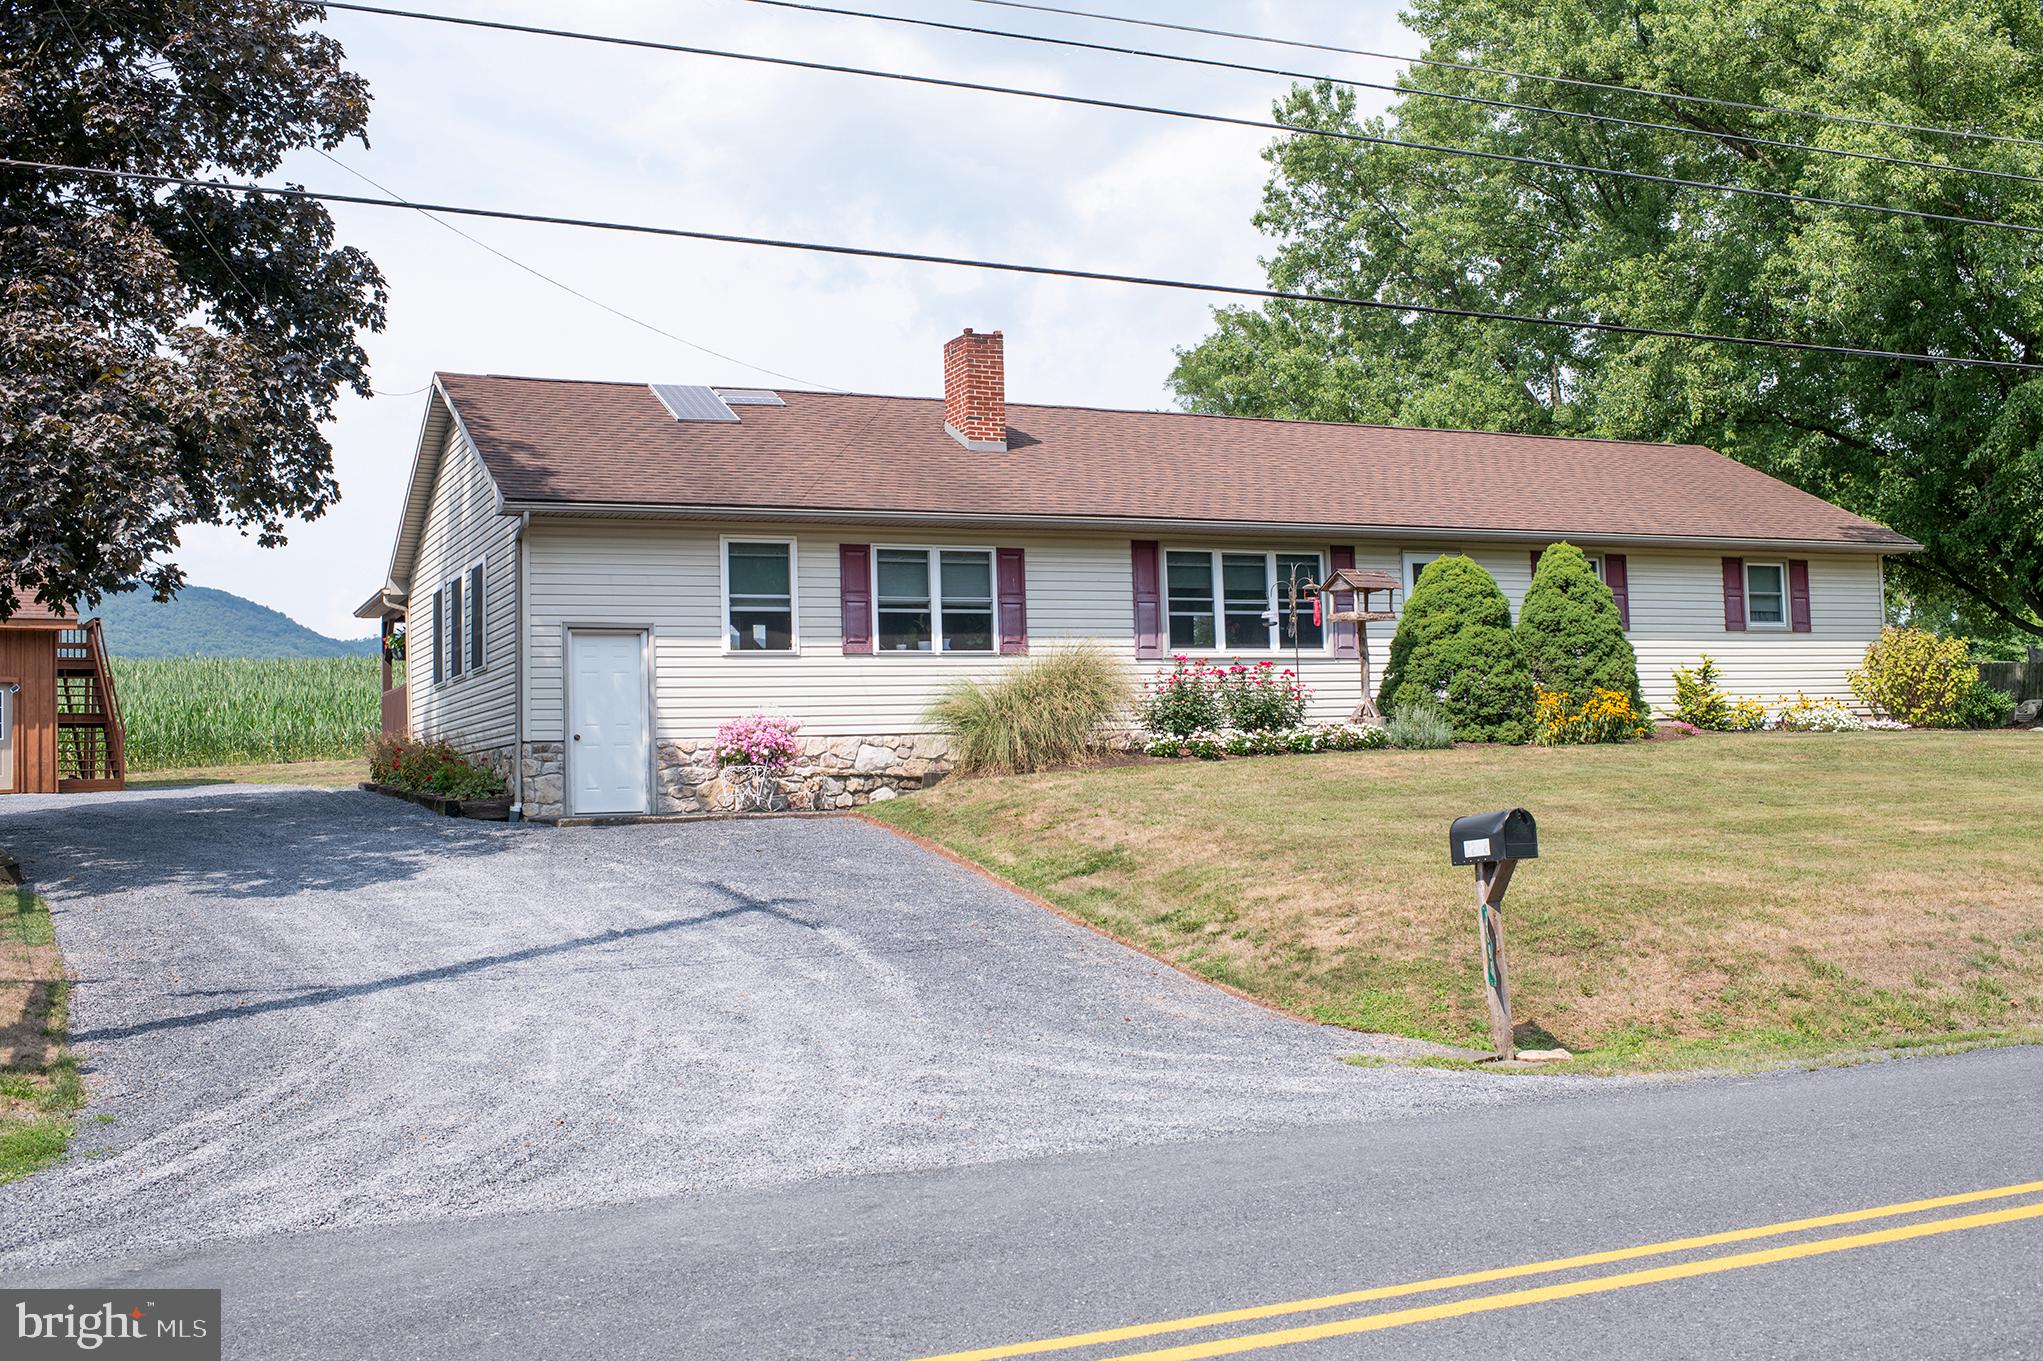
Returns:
<point x="1520" y="75"/>
<point x="1161" y="111"/>
<point x="542" y="275"/>
<point x="1010" y="267"/>
<point x="1747" y="139"/>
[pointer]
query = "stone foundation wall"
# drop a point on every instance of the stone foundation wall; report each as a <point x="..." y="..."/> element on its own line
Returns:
<point x="829" y="773"/>
<point x="545" y="779"/>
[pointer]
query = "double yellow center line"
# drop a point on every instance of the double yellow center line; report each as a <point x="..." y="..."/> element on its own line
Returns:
<point x="1511" y="1299"/>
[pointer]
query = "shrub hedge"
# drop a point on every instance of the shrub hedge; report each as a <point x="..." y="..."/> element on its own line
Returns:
<point x="1454" y="647"/>
<point x="1571" y="633"/>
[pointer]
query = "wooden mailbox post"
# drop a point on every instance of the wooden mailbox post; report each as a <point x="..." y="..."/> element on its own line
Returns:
<point x="1494" y="843"/>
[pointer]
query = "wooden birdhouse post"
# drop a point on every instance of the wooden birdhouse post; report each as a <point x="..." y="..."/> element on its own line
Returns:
<point x="1354" y="602"/>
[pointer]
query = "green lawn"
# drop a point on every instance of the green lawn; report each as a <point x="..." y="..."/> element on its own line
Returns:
<point x="40" y="1088"/>
<point x="1696" y="901"/>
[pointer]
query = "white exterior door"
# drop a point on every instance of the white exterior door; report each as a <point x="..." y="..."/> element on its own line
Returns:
<point x="607" y="755"/>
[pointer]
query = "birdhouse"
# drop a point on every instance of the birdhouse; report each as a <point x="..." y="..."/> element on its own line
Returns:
<point x="1361" y="598"/>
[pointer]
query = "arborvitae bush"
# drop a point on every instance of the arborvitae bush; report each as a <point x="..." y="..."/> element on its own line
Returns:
<point x="1454" y="646"/>
<point x="1571" y="634"/>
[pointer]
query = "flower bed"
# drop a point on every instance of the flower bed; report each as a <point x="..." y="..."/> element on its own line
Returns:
<point x="434" y="775"/>
<point x="1210" y="744"/>
<point x="1606" y="716"/>
<point x="1199" y="697"/>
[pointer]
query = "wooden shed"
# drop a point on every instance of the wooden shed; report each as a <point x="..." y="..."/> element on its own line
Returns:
<point x="60" y="722"/>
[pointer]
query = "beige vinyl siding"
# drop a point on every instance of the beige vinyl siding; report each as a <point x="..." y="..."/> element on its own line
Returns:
<point x="475" y="711"/>
<point x="665" y="577"/>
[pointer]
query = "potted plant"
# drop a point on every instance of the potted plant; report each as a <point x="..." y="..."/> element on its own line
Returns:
<point x="753" y="753"/>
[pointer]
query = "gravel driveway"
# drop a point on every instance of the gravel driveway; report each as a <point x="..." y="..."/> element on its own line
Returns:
<point x="303" y="1008"/>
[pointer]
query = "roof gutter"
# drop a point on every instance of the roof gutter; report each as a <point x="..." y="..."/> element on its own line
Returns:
<point x="1166" y="525"/>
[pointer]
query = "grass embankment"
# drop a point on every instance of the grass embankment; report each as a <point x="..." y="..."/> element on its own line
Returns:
<point x="40" y="1088"/>
<point x="183" y="713"/>
<point x="1697" y="902"/>
<point x="315" y="774"/>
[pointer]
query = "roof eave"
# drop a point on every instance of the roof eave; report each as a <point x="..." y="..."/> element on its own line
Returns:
<point x="1165" y="524"/>
<point x="440" y="414"/>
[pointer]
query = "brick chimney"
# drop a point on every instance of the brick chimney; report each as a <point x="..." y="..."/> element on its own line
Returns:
<point x="975" y="391"/>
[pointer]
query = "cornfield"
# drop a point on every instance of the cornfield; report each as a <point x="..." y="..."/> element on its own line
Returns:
<point x="206" y="711"/>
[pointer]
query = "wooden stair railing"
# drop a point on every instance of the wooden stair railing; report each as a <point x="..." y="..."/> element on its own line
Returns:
<point x="91" y="739"/>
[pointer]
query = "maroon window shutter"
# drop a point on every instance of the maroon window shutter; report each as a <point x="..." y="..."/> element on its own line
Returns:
<point x="1734" y="594"/>
<point x="1346" y="643"/>
<point x="1537" y="554"/>
<point x="855" y="594"/>
<point x="1013" y="588"/>
<point x="1148" y="565"/>
<point x="1619" y="580"/>
<point x="1798" y="594"/>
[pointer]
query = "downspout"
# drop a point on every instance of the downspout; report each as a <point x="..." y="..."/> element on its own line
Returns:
<point x="518" y="671"/>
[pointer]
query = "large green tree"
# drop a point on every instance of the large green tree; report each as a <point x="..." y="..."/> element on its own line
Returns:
<point x="167" y="354"/>
<point x="1950" y="456"/>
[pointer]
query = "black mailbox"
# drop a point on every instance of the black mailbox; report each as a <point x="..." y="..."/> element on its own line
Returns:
<point x="1509" y="834"/>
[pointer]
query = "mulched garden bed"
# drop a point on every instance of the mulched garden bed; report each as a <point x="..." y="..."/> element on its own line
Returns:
<point x="484" y="810"/>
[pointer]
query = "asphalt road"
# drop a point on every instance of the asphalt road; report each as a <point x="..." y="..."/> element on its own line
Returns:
<point x="969" y="1258"/>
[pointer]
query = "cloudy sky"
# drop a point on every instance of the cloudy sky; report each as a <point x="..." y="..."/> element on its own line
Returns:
<point x="535" y="124"/>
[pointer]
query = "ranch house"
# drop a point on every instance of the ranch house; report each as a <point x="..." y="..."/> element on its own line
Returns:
<point x="593" y="576"/>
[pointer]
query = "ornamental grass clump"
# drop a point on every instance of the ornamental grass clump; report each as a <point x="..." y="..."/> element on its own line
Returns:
<point x="1047" y="711"/>
<point x="1571" y="633"/>
<point x="1454" y="649"/>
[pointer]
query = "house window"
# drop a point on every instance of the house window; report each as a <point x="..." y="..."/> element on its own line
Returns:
<point x="1238" y="601"/>
<point x="454" y="629"/>
<point x="1189" y="580"/>
<point x="1415" y="563"/>
<point x="1766" y="595"/>
<point x="1298" y="568"/>
<point x="476" y="654"/>
<point x="759" y="595"/>
<point x="933" y="599"/>
<point x="439" y="631"/>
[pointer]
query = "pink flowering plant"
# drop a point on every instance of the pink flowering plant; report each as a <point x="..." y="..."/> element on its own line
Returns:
<point x="1183" y="700"/>
<point x="1261" y="698"/>
<point x="757" y="740"/>
<point x="1195" y="696"/>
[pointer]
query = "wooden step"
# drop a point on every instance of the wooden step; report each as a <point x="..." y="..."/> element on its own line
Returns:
<point x="78" y="786"/>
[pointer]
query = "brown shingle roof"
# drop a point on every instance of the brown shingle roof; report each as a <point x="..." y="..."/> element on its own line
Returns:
<point x="581" y="443"/>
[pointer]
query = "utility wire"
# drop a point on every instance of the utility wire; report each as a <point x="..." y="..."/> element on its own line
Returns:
<point x="1161" y="111"/>
<point x="1519" y="75"/>
<point x="569" y="288"/>
<point x="1010" y="267"/>
<point x="1746" y="139"/>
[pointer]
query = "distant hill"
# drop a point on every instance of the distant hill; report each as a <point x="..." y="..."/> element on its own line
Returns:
<point x="208" y="623"/>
